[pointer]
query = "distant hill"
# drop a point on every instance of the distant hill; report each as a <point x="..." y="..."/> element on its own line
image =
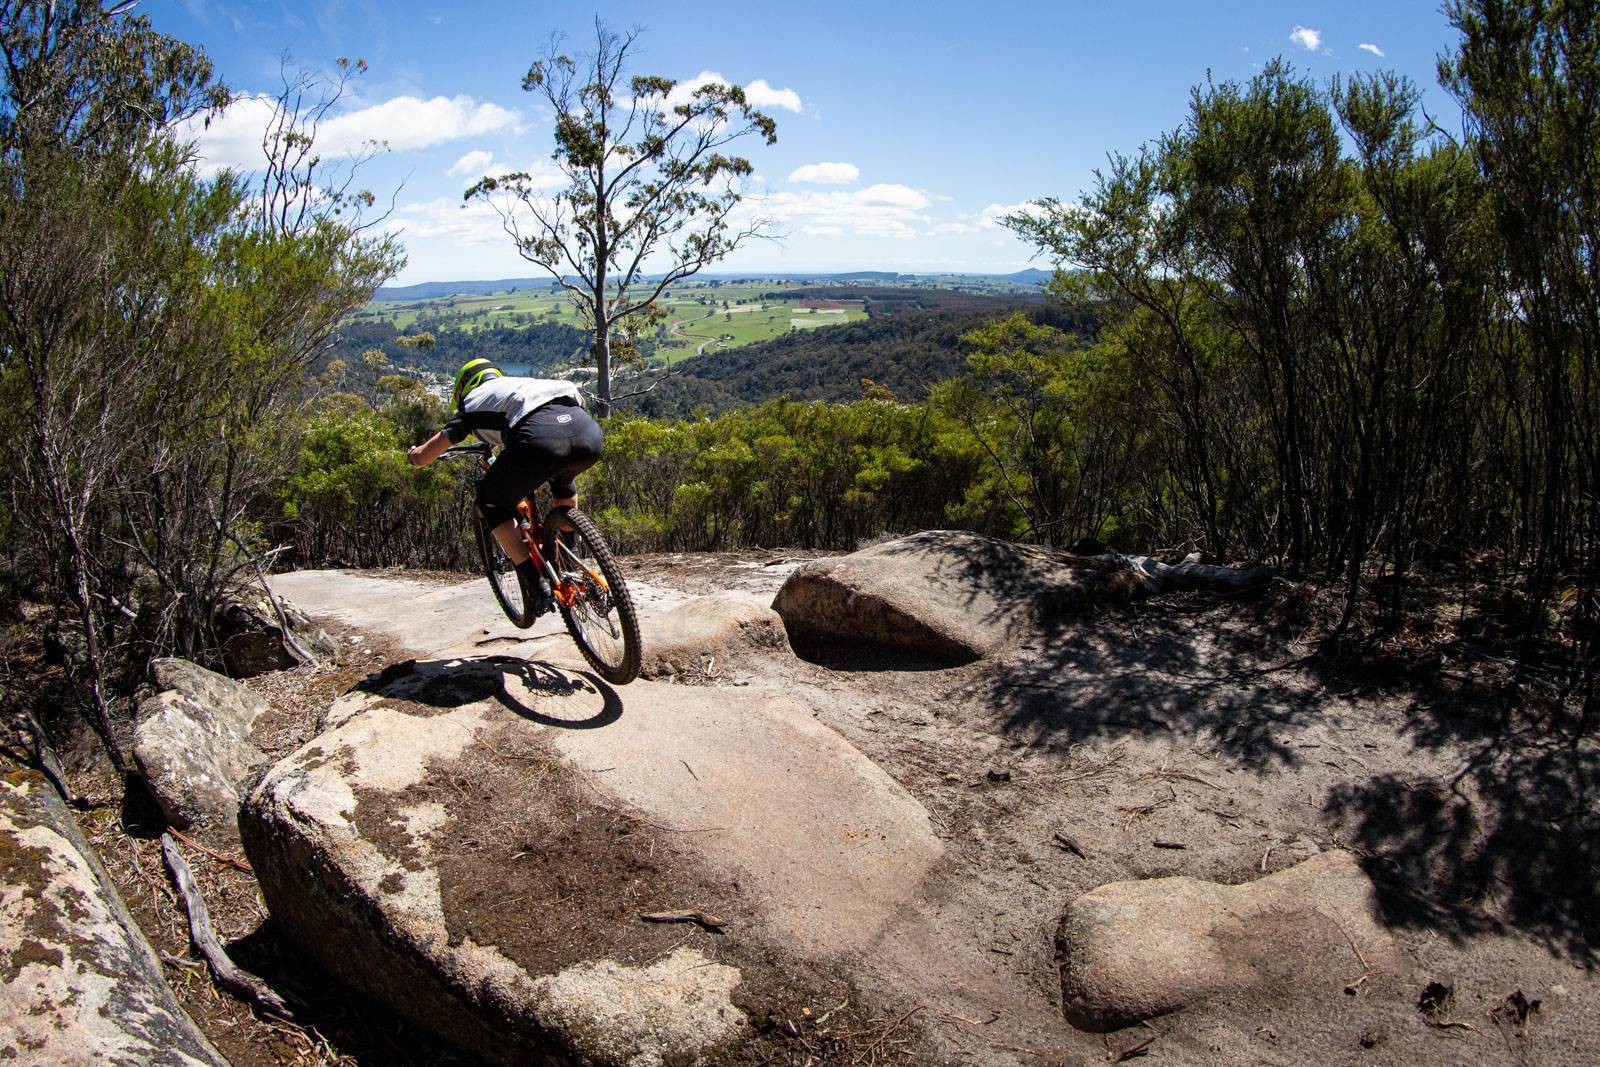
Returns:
<point x="908" y="345"/>
<point x="432" y="290"/>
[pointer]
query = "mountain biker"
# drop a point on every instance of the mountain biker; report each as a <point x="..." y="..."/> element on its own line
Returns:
<point x="543" y="434"/>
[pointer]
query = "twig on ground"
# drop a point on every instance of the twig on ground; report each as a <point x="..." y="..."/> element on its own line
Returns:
<point x="225" y="972"/>
<point x="236" y="864"/>
<point x="179" y="961"/>
<point x="700" y="918"/>
<point x="1139" y="811"/>
<point x="1353" y="948"/>
<point x="1104" y="765"/>
<point x="871" y="1050"/>
<point x="1070" y="844"/>
<point x="1129" y="1053"/>
<point x="1165" y="773"/>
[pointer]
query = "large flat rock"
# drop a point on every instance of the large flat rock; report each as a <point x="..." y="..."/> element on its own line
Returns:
<point x="944" y="595"/>
<point x="433" y="617"/>
<point x="78" y="982"/>
<point x="359" y="838"/>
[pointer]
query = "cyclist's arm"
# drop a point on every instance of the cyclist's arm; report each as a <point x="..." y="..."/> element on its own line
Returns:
<point x="429" y="450"/>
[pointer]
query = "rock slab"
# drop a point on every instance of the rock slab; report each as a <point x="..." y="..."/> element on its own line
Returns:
<point x="344" y="836"/>
<point x="78" y="982"/>
<point x="946" y="595"/>
<point x="1130" y="951"/>
<point x="192" y="744"/>
<point x="708" y="633"/>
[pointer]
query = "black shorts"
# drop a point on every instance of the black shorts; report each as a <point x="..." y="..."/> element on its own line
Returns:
<point x="554" y="444"/>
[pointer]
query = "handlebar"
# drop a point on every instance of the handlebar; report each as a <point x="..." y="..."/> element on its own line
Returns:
<point x="468" y="450"/>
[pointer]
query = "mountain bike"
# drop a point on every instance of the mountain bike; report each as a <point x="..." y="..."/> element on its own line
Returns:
<point x="585" y="582"/>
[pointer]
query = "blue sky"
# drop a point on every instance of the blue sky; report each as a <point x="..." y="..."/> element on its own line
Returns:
<point x="936" y="116"/>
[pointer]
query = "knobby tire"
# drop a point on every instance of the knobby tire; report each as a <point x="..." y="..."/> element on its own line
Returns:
<point x="619" y="669"/>
<point x="516" y="600"/>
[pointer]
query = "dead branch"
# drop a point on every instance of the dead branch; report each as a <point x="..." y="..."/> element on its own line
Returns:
<point x="700" y="918"/>
<point x="285" y="632"/>
<point x="223" y="970"/>
<point x="236" y="864"/>
<point x="44" y="757"/>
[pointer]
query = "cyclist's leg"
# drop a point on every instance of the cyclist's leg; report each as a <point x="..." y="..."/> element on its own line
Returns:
<point x="498" y="494"/>
<point x="546" y="443"/>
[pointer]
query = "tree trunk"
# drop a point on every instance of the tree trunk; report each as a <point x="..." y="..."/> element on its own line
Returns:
<point x="602" y="363"/>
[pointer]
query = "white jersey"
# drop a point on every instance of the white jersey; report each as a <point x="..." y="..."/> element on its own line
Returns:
<point x="494" y="408"/>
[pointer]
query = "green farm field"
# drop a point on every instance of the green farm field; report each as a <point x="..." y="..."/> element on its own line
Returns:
<point x="712" y="315"/>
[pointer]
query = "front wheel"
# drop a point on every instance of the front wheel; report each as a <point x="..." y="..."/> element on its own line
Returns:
<point x="507" y="584"/>
<point x="593" y="597"/>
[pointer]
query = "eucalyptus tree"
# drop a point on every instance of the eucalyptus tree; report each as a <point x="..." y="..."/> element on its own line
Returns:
<point x="643" y="194"/>
<point x="1527" y="77"/>
<point x="155" y="328"/>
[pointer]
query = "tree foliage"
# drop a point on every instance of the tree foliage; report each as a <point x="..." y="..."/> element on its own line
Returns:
<point x="648" y="195"/>
<point x="1360" y="344"/>
<point x="155" y="332"/>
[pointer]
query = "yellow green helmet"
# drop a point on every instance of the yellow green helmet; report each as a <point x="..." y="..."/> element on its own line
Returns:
<point x="471" y="375"/>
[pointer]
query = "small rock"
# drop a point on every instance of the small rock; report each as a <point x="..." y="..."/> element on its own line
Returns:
<point x="1134" y="950"/>
<point x="943" y="595"/>
<point x="1373" y="1036"/>
<point x="687" y="639"/>
<point x="192" y="745"/>
<point x="996" y="774"/>
<point x="252" y="639"/>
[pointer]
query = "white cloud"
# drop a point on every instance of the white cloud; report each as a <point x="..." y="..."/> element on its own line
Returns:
<point x="990" y="217"/>
<point x="471" y="165"/>
<point x="883" y="210"/>
<point x="1306" y="38"/>
<point x="404" y="123"/>
<point x="1374" y="49"/>
<point x="826" y="173"/>
<point x="449" y="218"/>
<point x="896" y="196"/>
<point x="760" y="94"/>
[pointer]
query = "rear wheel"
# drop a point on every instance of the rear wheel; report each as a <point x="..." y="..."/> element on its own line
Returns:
<point x="514" y="597"/>
<point x="593" y="597"/>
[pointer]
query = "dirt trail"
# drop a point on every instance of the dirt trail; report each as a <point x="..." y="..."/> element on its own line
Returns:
<point x="911" y="822"/>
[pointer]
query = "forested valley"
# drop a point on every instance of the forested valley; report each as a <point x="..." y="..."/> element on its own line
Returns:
<point x="1306" y="328"/>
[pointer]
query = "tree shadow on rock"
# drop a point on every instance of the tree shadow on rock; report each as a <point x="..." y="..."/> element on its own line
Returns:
<point x="510" y="680"/>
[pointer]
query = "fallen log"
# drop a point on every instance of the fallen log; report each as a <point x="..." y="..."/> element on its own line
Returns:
<point x="1192" y="576"/>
